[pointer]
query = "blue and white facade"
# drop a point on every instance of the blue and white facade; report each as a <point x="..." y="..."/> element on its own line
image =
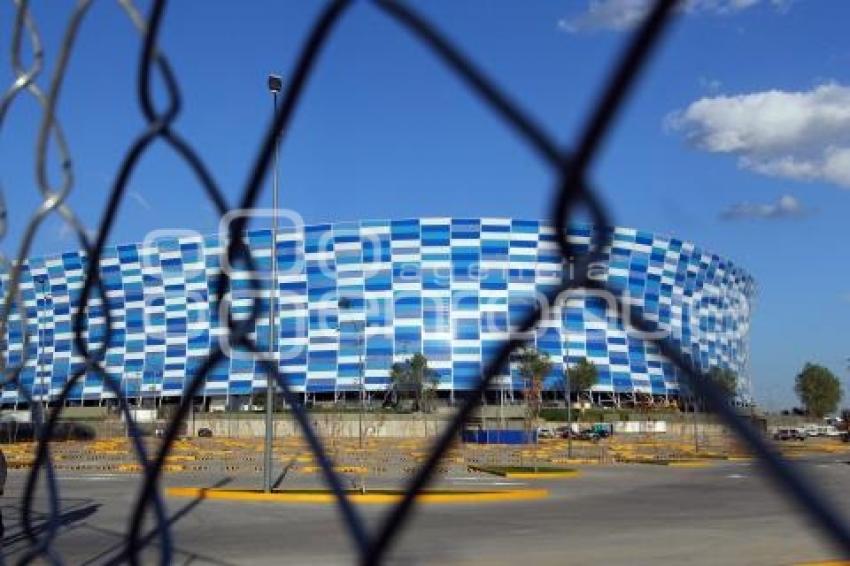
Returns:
<point x="354" y="297"/>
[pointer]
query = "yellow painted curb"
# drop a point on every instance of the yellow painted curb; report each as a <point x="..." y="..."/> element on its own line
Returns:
<point x="687" y="464"/>
<point x="669" y="463"/>
<point x="367" y="499"/>
<point x="337" y="469"/>
<point x="541" y="475"/>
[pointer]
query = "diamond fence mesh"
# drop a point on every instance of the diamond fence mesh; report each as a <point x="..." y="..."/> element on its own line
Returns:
<point x="572" y="191"/>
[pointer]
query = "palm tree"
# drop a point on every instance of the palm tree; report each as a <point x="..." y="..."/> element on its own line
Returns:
<point x="398" y="377"/>
<point x="582" y="376"/>
<point x="413" y="378"/>
<point x="534" y="365"/>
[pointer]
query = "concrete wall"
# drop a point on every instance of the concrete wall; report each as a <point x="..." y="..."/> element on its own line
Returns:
<point x="346" y="426"/>
<point x="327" y="425"/>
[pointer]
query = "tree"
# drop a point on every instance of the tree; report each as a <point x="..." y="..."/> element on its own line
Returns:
<point x="818" y="389"/>
<point x="398" y="377"/>
<point x="583" y="375"/>
<point x="726" y="380"/>
<point x="413" y="378"/>
<point x="533" y="367"/>
<point x="430" y="385"/>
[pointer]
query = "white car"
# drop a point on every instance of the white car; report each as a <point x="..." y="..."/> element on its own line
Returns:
<point x="828" y="430"/>
<point x="545" y="432"/>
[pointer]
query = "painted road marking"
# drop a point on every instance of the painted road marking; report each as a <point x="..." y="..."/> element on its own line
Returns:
<point x="483" y="481"/>
<point x="92" y="478"/>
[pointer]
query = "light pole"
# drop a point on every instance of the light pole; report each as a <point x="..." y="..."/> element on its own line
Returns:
<point x="127" y="402"/>
<point x="502" y="404"/>
<point x="41" y="280"/>
<point x="345" y="303"/>
<point x="696" y="426"/>
<point x="569" y="412"/>
<point x="360" y="338"/>
<point x="132" y="409"/>
<point x="275" y="85"/>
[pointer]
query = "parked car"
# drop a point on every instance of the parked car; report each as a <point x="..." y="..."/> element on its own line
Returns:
<point x="789" y="434"/>
<point x="566" y="432"/>
<point x="828" y="430"/>
<point x="809" y="430"/>
<point x="603" y="430"/>
<point x="205" y="433"/>
<point x="545" y="432"/>
<point x="562" y="431"/>
<point x="589" y="434"/>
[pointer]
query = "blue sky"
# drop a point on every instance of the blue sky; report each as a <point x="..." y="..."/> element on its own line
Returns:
<point x="736" y="140"/>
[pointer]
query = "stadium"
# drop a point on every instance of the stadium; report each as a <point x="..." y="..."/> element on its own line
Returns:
<point x="355" y="297"/>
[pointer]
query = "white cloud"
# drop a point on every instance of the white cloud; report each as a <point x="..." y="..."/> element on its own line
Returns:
<point x="625" y="14"/>
<point x="140" y="199"/>
<point x="66" y="233"/>
<point x="797" y="135"/>
<point x="607" y="14"/>
<point x="787" y="206"/>
<point x="709" y="85"/>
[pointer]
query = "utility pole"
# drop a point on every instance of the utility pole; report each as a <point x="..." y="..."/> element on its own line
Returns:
<point x="41" y="282"/>
<point x="275" y="86"/>
<point x="127" y="403"/>
<point x="696" y="429"/>
<point x="360" y="328"/>
<point x="502" y="404"/>
<point x="360" y="338"/>
<point x="569" y="412"/>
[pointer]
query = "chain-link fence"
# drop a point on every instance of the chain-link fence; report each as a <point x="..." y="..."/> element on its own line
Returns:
<point x="572" y="191"/>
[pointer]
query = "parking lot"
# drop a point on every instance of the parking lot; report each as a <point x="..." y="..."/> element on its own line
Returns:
<point x="617" y="513"/>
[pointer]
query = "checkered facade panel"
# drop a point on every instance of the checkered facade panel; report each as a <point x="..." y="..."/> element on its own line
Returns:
<point x="355" y="297"/>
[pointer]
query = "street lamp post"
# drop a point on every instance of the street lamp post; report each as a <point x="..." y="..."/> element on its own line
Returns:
<point x="360" y="376"/>
<point x="502" y="404"/>
<point x="360" y="327"/>
<point x="696" y="426"/>
<point x="132" y="409"/>
<point x="569" y="412"/>
<point x="126" y="378"/>
<point x="275" y="86"/>
<point x="42" y="332"/>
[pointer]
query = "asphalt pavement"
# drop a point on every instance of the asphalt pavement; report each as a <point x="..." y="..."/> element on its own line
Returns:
<point x="620" y="514"/>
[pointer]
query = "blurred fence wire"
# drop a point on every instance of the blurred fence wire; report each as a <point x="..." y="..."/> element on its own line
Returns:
<point x="572" y="191"/>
